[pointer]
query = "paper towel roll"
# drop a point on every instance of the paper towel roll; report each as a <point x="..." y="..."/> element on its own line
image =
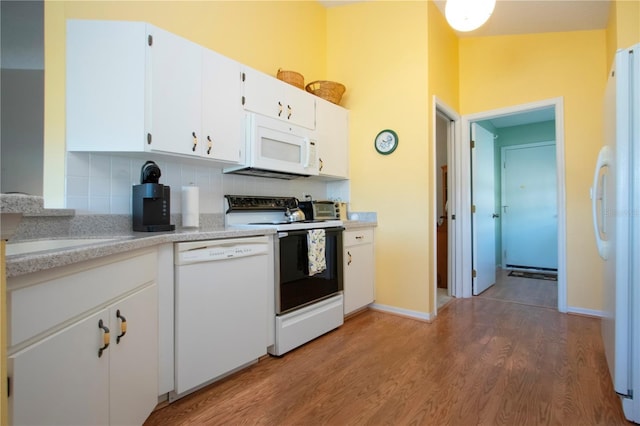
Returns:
<point x="190" y="207"/>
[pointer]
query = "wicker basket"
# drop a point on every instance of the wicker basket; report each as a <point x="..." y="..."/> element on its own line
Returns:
<point x="329" y="90"/>
<point x="291" y="77"/>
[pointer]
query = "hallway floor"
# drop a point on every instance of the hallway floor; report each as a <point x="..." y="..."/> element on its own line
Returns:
<point x="527" y="291"/>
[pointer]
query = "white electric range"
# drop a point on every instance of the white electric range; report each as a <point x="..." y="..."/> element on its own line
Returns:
<point x="308" y="299"/>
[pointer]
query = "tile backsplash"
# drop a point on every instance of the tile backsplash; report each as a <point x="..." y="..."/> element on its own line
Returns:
<point x="100" y="183"/>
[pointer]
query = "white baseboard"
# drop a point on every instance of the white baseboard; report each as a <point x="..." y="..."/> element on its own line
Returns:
<point x="587" y="312"/>
<point x="423" y="316"/>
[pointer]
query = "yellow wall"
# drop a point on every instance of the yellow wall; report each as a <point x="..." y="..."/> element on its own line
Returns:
<point x="443" y="59"/>
<point x="379" y="51"/>
<point x="502" y="71"/>
<point x="265" y="35"/>
<point x="623" y="27"/>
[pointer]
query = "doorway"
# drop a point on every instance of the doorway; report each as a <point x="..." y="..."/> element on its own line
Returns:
<point x="463" y="248"/>
<point x="446" y="128"/>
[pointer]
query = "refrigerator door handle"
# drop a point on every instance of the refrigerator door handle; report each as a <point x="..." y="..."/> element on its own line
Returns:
<point x="598" y="192"/>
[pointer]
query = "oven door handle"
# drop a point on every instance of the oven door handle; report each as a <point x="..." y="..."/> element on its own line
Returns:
<point x="291" y="233"/>
<point x="284" y="234"/>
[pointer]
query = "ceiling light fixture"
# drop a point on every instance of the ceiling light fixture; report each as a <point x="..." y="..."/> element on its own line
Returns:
<point x="468" y="15"/>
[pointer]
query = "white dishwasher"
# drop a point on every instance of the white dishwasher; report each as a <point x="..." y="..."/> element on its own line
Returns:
<point x="222" y="292"/>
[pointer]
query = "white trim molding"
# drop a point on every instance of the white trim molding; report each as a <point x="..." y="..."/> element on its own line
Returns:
<point x="586" y="312"/>
<point x="423" y="316"/>
<point x="453" y="284"/>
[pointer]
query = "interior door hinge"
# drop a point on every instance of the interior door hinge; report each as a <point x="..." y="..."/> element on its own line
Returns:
<point x="8" y="387"/>
<point x="474" y="274"/>
<point x="148" y="138"/>
<point x="150" y="40"/>
<point x="243" y="100"/>
<point x="473" y="144"/>
<point x="473" y="208"/>
<point x="243" y="76"/>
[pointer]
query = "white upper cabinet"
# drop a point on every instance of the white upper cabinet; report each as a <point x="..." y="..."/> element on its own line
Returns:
<point x="134" y="87"/>
<point x="266" y="95"/>
<point x="106" y="98"/>
<point x="332" y="131"/>
<point x="175" y="83"/>
<point x="222" y="113"/>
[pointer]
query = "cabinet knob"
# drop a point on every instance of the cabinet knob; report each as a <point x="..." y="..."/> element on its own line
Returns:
<point x="105" y="338"/>
<point x="209" y="145"/>
<point x="195" y="141"/>
<point x="349" y="256"/>
<point x="123" y="326"/>
<point x="279" y="109"/>
<point x="321" y="163"/>
<point x="289" y="112"/>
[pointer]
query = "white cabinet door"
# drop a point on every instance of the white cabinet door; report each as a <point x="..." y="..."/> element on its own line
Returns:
<point x="269" y="96"/>
<point x="133" y="387"/>
<point x="62" y="380"/>
<point x="262" y="94"/>
<point x="175" y="92"/>
<point x="359" y="276"/>
<point x="105" y="85"/>
<point x="332" y="129"/>
<point x="222" y="113"/>
<point x="300" y="106"/>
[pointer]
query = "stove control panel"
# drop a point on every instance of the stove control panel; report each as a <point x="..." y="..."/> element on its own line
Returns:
<point x="258" y="203"/>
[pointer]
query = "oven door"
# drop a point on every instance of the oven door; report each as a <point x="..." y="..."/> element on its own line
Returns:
<point x="294" y="287"/>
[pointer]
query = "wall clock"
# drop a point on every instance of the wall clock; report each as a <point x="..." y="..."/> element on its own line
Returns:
<point x="386" y="142"/>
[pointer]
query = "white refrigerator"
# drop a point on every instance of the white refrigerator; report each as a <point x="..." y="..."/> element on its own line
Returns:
<point x="615" y="196"/>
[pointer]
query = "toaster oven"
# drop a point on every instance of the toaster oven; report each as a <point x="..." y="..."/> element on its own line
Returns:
<point x="318" y="210"/>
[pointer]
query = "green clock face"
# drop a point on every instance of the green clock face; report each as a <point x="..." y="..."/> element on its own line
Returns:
<point x="386" y="142"/>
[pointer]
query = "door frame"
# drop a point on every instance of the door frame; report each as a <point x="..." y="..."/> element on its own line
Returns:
<point x="454" y="284"/>
<point x="463" y="248"/>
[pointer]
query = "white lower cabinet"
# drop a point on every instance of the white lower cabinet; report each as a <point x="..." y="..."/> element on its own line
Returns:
<point x="68" y="375"/>
<point x="359" y="275"/>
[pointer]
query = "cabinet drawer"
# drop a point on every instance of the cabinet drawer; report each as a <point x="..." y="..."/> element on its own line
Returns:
<point x="357" y="237"/>
<point x="43" y="302"/>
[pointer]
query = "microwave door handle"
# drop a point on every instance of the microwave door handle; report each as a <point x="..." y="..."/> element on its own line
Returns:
<point x="307" y="144"/>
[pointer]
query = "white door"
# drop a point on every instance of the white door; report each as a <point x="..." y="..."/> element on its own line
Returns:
<point x="484" y="217"/>
<point x="529" y="207"/>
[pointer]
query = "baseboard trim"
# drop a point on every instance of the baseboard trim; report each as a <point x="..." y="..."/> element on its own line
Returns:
<point x="586" y="312"/>
<point x="422" y="316"/>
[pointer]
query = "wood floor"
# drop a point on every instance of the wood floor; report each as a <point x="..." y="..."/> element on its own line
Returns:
<point x="481" y="362"/>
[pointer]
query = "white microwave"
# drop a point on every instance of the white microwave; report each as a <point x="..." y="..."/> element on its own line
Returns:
<point x="277" y="149"/>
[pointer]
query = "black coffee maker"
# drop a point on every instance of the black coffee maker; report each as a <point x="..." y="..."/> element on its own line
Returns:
<point x="151" y="201"/>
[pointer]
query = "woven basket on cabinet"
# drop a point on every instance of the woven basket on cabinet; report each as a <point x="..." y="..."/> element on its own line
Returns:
<point x="291" y="77"/>
<point x="329" y="90"/>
